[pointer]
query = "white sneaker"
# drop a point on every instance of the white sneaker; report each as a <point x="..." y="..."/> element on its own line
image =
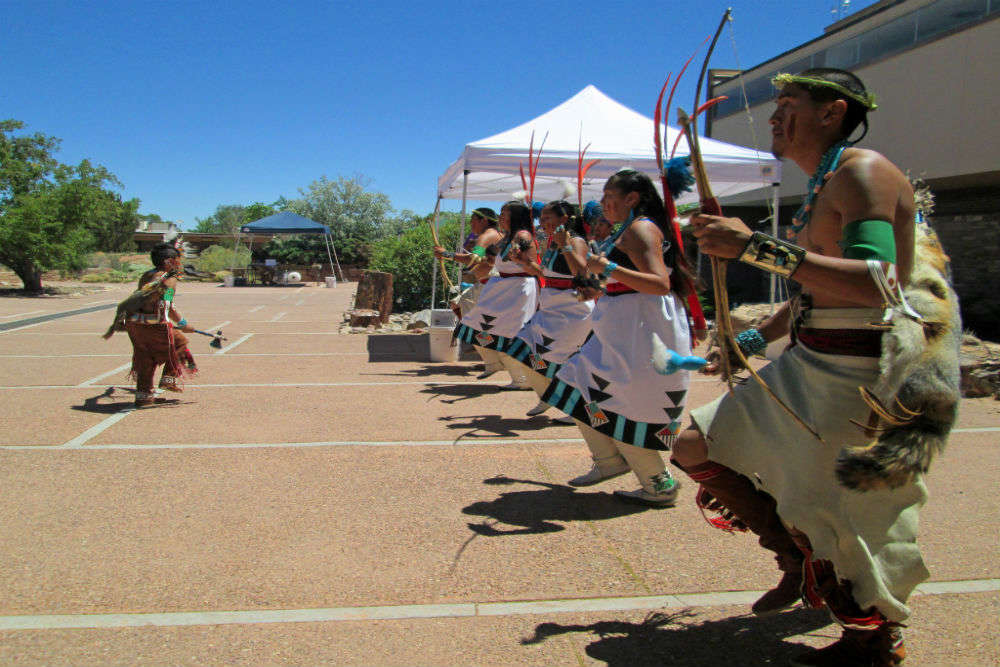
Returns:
<point x="539" y="408"/>
<point x="643" y="497"/>
<point x="596" y="475"/>
<point x="516" y="386"/>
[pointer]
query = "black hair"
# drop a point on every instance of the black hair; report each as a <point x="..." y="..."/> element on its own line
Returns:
<point x="856" y="114"/>
<point x="563" y="209"/>
<point x="162" y="252"/>
<point x="651" y="206"/>
<point x="520" y="218"/>
<point x="487" y="214"/>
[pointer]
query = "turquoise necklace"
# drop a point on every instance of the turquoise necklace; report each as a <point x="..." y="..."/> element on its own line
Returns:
<point x="605" y="246"/>
<point x="549" y="259"/>
<point x="827" y="165"/>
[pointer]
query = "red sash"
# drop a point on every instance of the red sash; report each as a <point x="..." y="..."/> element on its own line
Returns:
<point x="558" y="283"/>
<point x="614" y="289"/>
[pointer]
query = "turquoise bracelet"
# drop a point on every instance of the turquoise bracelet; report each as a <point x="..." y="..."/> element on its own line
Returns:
<point x="182" y="323"/>
<point x="609" y="269"/>
<point x="751" y="342"/>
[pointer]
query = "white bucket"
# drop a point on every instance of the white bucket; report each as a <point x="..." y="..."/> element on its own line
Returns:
<point x="331" y="281"/>
<point x="443" y="347"/>
<point x="228" y="281"/>
<point x="443" y="317"/>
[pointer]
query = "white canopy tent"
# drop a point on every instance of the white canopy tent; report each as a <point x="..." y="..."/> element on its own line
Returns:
<point x="489" y="169"/>
<point x="619" y="137"/>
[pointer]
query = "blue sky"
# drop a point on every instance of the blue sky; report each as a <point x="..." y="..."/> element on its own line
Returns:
<point x="195" y="104"/>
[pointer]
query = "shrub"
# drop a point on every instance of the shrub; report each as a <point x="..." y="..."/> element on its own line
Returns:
<point x="409" y="257"/>
<point x="98" y="260"/>
<point x="95" y="278"/>
<point x="217" y="258"/>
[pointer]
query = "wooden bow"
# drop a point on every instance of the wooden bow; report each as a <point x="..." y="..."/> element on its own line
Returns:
<point x="725" y="338"/>
<point x="697" y="315"/>
<point x="434" y="236"/>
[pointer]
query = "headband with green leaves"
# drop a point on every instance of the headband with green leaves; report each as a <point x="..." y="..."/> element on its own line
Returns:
<point x="867" y="100"/>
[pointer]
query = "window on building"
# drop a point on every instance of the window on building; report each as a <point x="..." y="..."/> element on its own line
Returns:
<point x="893" y="36"/>
<point x="946" y="15"/>
<point x="898" y="35"/>
<point x="842" y="56"/>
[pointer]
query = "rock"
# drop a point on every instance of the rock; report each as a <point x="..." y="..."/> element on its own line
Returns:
<point x="980" y="378"/>
<point x="749" y="315"/>
<point x="421" y="318"/>
<point x="980" y="368"/>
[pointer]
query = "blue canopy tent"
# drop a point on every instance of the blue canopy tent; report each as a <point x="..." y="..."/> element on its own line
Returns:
<point x="287" y="222"/>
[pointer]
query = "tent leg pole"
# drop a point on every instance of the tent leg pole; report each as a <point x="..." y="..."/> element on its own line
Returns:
<point x="337" y="261"/>
<point x="326" y="242"/>
<point x="434" y="264"/>
<point x="236" y="247"/>
<point x="465" y="191"/>
<point x="774" y="233"/>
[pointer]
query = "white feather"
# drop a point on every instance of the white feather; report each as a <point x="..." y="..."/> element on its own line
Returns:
<point x="568" y="189"/>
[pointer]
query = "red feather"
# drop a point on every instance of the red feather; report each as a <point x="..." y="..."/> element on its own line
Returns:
<point x="657" y="117"/>
<point x="711" y="103"/>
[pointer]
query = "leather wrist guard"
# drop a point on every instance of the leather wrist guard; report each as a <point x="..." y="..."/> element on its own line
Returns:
<point x="772" y="255"/>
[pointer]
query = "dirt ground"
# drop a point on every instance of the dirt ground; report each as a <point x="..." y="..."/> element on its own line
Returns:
<point x="318" y="498"/>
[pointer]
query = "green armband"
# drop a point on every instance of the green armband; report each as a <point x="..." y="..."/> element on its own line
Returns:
<point x="869" y="239"/>
<point x="479" y="251"/>
<point x="168" y="294"/>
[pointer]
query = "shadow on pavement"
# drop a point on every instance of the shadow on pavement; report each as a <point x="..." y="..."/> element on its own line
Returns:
<point x="678" y="639"/>
<point x="397" y="347"/>
<point x="459" y="392"/>
<point x="431" y="370"/>
<point x="93" y="404"/>
<point x="536" y="510"/>
<point x="484" y="426"/>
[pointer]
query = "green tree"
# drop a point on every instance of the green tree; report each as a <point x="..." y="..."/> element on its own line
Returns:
<point x="354" y="215"/>
<point x="83" y="201"/>
<point x="409" y="257"/>
<point x="52" y="214"/>
<point x="228" y="218"/>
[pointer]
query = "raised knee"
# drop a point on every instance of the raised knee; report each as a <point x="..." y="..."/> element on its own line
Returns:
<point x="690" y="448"/>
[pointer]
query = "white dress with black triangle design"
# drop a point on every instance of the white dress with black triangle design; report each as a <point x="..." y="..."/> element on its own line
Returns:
<point x="505" y="305"/>
<point x="611" y="384"/>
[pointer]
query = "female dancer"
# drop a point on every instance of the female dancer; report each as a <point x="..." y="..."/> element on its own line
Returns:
<point x="562" y="322"/>
<point x="624" y="408"/>
<point x="483" y="222"/>
<point x="507" y="300"/>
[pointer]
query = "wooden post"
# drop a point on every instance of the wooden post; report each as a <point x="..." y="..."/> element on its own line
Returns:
<point x="374" y="294"/>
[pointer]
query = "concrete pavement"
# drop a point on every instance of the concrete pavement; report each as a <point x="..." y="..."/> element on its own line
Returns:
<point x="322" y="498"/>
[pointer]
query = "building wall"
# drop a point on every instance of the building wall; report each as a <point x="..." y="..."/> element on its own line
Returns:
<point x="936" y="115"/>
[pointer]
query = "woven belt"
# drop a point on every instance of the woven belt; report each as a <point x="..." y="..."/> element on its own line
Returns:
<point x="851" y="342"/>
<point x="144" y="318"/>
<point x="515" y="275"/>
<point x="617" y="289"/>
<point x="558" y="283"/>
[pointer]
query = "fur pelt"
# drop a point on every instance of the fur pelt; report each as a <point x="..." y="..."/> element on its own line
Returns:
<point x="917" y="391"/>
<point x="133" y="302"/>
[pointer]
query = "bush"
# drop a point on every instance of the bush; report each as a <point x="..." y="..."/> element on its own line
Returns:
<point x="217" y="258"/>
<point x="95" y="278"/>
<point x="409" y="257"/>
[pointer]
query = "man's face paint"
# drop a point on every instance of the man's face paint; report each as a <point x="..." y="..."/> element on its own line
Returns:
<point x="791" y="120"/>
